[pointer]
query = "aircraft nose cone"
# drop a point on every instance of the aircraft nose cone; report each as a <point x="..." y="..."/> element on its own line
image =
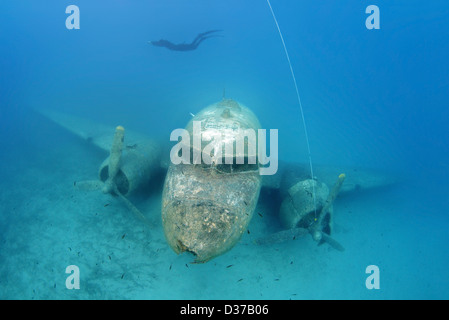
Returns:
<point x="203" y="228"/>
<point x="206" y="213"/>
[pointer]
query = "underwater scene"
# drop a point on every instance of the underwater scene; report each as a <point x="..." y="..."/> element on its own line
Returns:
<point x="231" y="150"/>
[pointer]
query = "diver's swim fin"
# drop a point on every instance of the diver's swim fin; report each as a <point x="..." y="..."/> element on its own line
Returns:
<point x="208" y="32"/>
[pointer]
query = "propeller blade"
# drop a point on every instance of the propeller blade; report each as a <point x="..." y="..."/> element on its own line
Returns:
<point x="114" y="158"/>
<point x="89" y="185"/>
<point x="281" y="236"/>
<point x="332" y="242"/>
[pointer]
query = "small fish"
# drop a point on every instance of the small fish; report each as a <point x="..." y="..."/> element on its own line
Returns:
<point x="122" y="276"/>
<point x="276" y="279"/>
<point x="187" y="265"/>
<point x="248" y="231"/>
<point x="124" y="235"/>
<point x="246" y="203"/>
<point x="239" y="280"/>
<point x="170" y="266"/>
<point x="229" y="266"/>
<point x="260" y="214"/>
<point x="106" y="204"/>
<point x="74" y="183"/>
<point x="110" y="258"/>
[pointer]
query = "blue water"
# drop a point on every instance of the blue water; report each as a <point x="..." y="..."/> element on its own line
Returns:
<point x="373" y="99"/>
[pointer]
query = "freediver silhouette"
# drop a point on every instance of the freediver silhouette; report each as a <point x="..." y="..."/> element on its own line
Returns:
<point x="185" y="46"/>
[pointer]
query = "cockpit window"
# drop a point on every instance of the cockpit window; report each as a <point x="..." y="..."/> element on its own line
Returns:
<point x="234" y="167"/>
<point x="226" y="168"/>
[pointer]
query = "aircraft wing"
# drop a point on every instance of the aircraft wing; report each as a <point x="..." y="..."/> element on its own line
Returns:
<point x="357" y="179"/>
<point x="96" y="133"/>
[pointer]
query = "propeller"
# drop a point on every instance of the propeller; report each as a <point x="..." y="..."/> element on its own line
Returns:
<point x="109" y="186"/>
<point x="114" y="159"/>
<point x="314" y="229"/>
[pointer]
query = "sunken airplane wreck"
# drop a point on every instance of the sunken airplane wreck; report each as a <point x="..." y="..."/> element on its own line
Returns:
<point x="207" y="208"/>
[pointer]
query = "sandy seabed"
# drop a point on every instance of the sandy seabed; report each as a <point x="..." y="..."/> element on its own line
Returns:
<point x="47" y="225"/>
